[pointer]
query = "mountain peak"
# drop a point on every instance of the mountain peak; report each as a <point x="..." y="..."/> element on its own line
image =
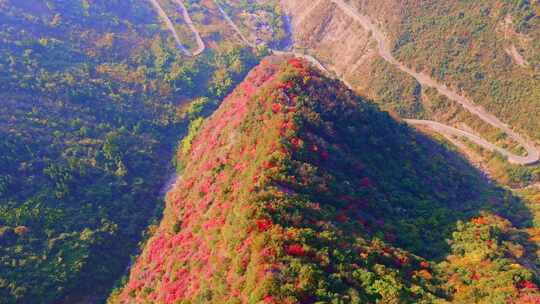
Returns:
<point x="298" y="191"/>
<point x="264" y="208"/>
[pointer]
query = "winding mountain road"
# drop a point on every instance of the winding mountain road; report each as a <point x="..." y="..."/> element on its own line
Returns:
<point x="187" y="18"/>
<point x="384" y="50"/>
<point x="533" y="154"/>
<point x="234" y="26"/>
<point x="445" y="129"/>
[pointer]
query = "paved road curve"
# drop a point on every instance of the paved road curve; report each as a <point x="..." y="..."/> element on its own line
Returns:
<point x="200" y="43"/>
<point x="445" y="129"/>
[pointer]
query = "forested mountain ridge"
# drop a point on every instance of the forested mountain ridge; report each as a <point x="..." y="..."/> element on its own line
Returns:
<point x="297" y="191"/>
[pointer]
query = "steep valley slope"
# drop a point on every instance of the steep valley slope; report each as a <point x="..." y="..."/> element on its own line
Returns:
<point x="297" y="191"/>
<point x="94" y="96"/>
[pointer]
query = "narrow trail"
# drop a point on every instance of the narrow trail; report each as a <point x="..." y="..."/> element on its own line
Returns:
<point x="200" y="43"/>
<point x="533" y="154"/>
<point x="169" y="25"/>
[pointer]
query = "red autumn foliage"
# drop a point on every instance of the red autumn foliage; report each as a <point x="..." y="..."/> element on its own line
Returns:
<point x="204" y="189"/>
<point x="268" y="165"/>
<point x="296" y="63"/>
<point x="226" y="206"/>
<point x="402" y="261"/>
<point x="290" y="234"/>
<point x="528" y="285"/>
<point x="424" y="264"/>
<point x="291" y="110"/>
<point x="264" y="224"/>
<point x="479" y="221"/>
<point x="154" y="269"/>
<point x="253" y="150"/>
<point x="286" y="85"/>
<point x="296" y="142"/>
<point x="289" y="125"/>
<point x="295" y="250"/>
<point x="276" y="108"/>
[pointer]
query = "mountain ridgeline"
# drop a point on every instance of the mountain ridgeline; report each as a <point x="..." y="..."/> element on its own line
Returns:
<point x="295" y="189"/>
<point x="298" y="191"/>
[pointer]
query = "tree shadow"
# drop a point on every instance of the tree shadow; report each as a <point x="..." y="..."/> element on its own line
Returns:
<point x="435" y="190"/>
<point x="473" y="193"/>
<point x="420" y="188"/>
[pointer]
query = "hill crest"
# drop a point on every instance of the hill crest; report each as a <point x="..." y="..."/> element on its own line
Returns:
<point x="296" y="191"/>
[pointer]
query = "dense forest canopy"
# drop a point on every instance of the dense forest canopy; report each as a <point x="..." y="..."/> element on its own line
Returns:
<point x="295" y="190"/>
<point x="298" y="191"/>
<point x="94" y="97"/>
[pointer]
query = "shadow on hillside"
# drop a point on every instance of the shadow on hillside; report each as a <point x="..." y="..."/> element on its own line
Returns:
<point x="448" y="189"/>
<point x="422" y="187"/>
<point x="477" y="193"/>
